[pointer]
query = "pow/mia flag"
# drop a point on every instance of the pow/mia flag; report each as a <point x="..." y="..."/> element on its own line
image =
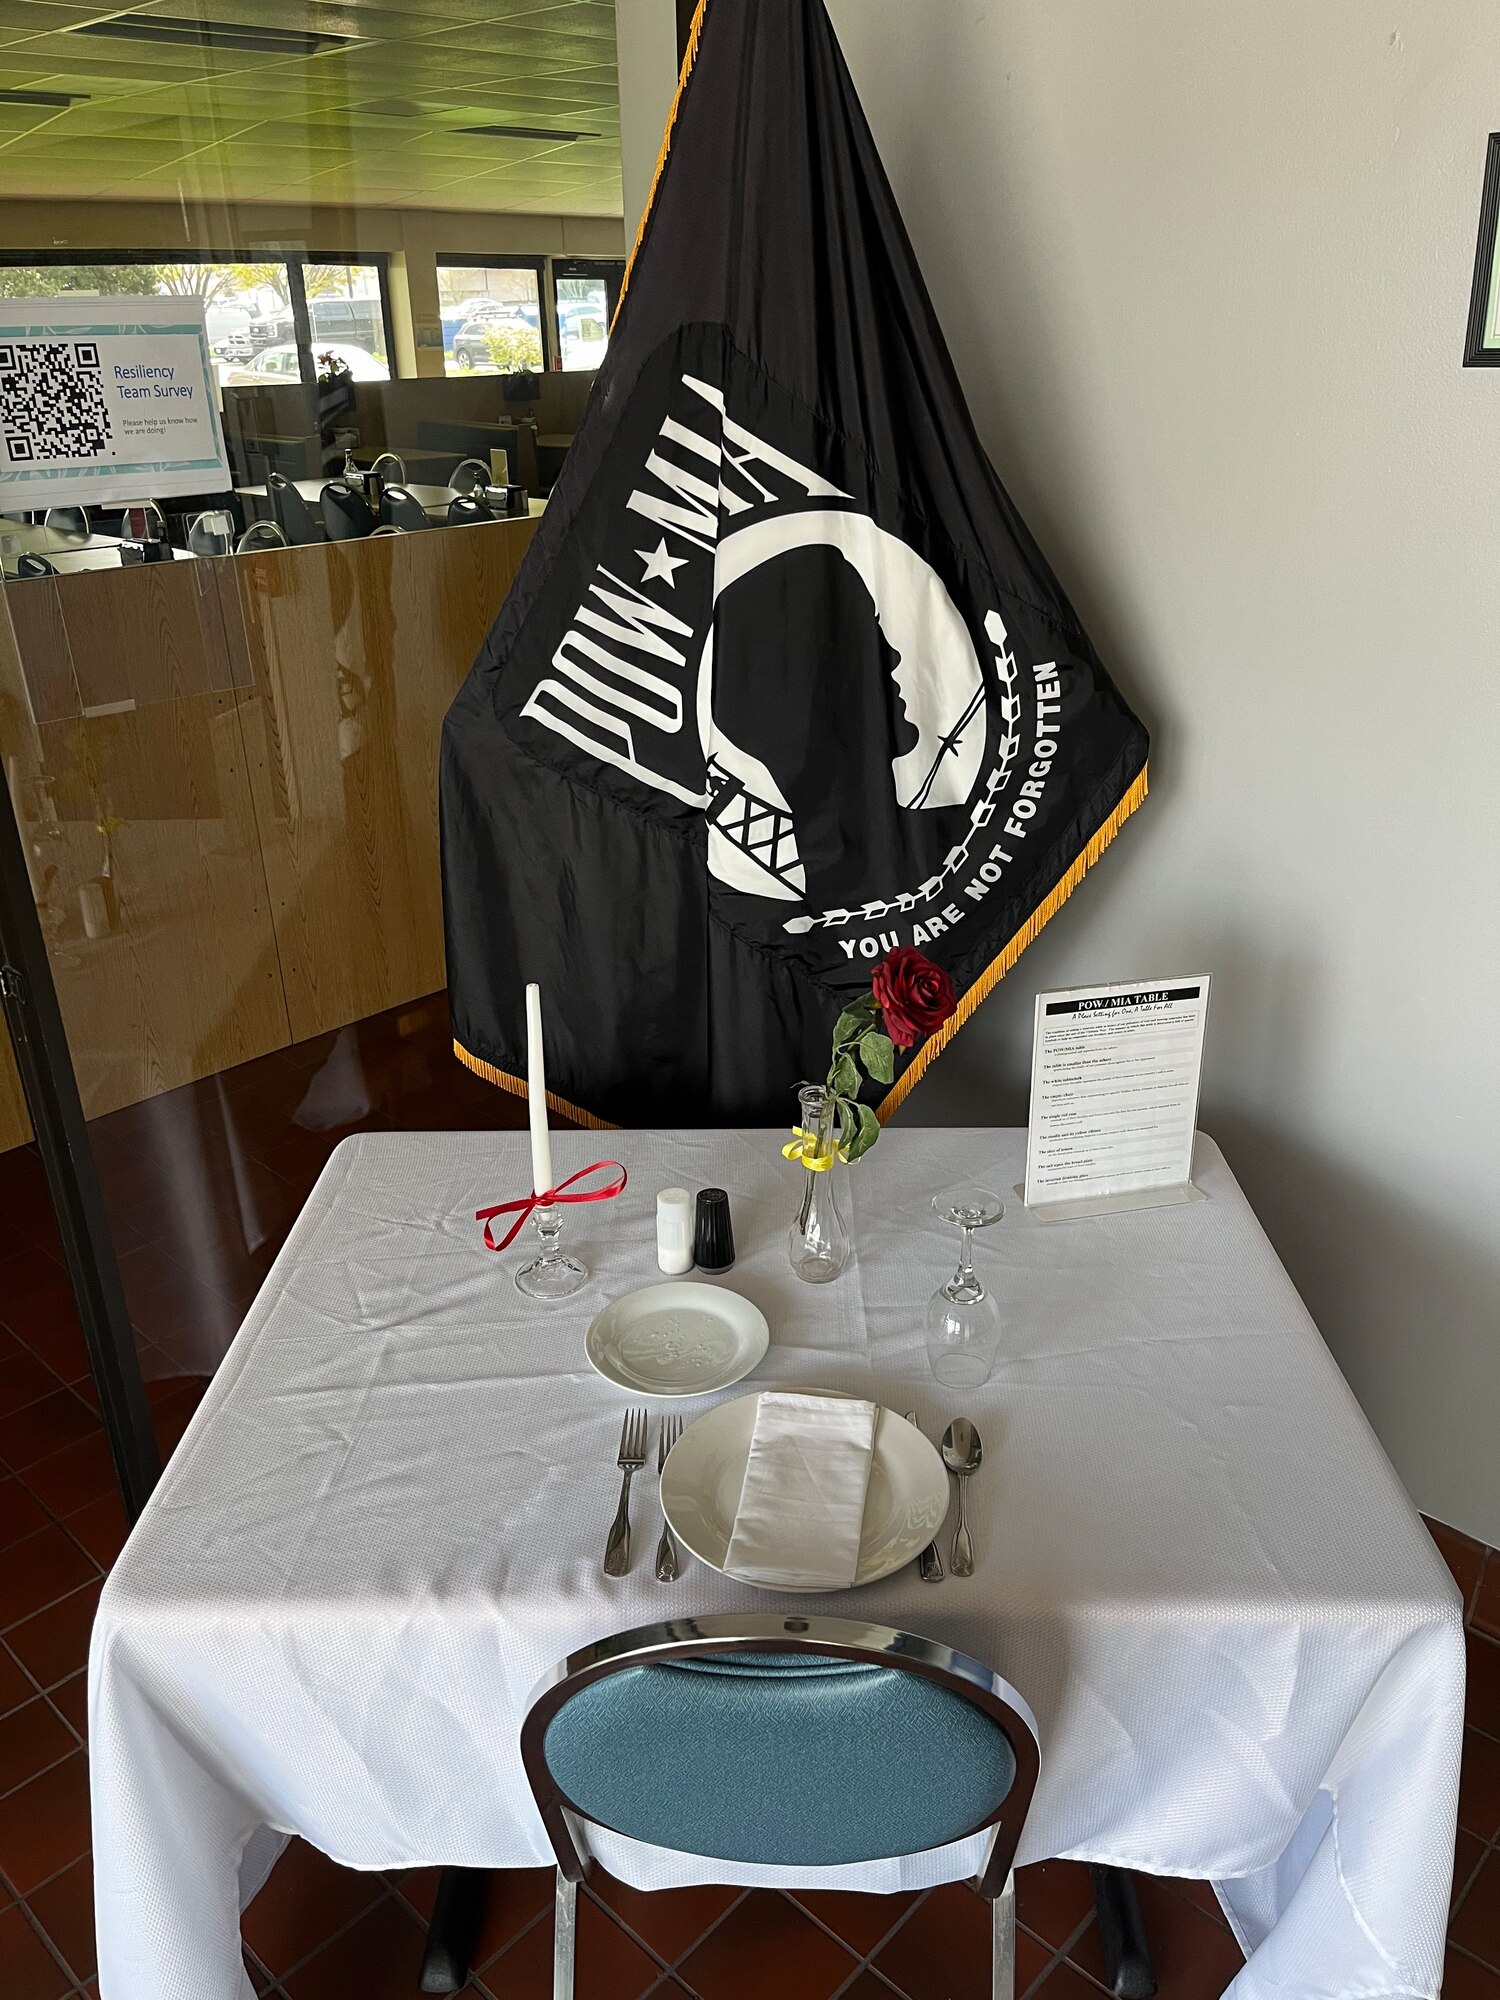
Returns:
<point x="783" y="680"/>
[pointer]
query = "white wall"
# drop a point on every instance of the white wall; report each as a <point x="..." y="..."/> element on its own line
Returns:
<point x="646" y="53"/>
<point x="1205" y="273"/>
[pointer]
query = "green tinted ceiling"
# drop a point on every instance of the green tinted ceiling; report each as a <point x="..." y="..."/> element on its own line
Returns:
<point x="375" y="120"/>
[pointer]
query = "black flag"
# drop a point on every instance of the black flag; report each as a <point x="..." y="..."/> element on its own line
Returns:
<point x="783" y="680"/>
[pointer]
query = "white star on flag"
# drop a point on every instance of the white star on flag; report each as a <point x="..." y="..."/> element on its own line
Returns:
<point x="659" y="563"/>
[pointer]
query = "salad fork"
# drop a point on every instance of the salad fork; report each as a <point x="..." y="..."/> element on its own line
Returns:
<point x="667" y="1566"/>
<point x="634" y="1434"/>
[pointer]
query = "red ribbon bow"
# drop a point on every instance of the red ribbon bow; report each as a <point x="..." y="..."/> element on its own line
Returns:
<point x="551" y="1199"/>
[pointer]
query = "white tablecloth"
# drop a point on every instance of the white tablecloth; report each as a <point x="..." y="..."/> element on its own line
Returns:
<point x="387" y="1520"/>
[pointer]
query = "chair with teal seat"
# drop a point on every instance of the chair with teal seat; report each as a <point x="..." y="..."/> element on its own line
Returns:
<point x="802" y="1743"/>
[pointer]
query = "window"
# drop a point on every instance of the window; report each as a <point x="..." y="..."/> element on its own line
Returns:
<point x="348" y="317"/>
<point x="247" y="305"/>
<point x="1482" y="348"/>
<point x="253" y="309"/>
<point x="586" y="291"/>
<point x="492" y="318"/>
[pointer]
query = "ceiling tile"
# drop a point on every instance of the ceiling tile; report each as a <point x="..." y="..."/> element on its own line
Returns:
<point x="381" y="115"/>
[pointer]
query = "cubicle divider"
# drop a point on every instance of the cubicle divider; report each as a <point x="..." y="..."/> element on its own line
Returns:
<point x="225" y="775"/>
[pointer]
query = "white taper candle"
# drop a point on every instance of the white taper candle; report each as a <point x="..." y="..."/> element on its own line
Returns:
<point x="536" y="1094"/>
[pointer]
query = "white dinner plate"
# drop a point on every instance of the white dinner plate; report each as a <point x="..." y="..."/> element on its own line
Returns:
<point x="905" y="1503"/>
<point x="678" y="1339"/>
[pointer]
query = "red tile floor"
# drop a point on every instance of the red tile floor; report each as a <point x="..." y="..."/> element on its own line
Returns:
<point x="202" y="1184"/>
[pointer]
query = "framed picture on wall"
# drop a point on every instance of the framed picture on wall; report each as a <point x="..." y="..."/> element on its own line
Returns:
<point x="1482" y="346"/>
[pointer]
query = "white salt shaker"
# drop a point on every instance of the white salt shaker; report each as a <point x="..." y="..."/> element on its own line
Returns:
<point x="674" y="1231"/>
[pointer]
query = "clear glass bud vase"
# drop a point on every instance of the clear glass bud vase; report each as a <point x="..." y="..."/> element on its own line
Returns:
<point x="818" y="1242"/>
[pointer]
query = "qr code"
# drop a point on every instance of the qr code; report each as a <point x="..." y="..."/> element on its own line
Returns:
<point x="52" y="401"/>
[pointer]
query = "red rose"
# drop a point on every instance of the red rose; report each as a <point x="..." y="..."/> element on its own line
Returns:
<point x="914" y="995"/>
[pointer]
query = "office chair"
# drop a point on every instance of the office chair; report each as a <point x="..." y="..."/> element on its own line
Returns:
<point x="800" y="1742"/>
<point x="291" y="512"/>
<point x="346" y="514"/>
<point x="400" y="508"/>
<point x="469" y="508"/>
<point x="35" y="565"/>
<point x="261" y="535"/>
<point x="468" y="474"/>
<point x="212" y="533"/>
<point x="392" y="467"/>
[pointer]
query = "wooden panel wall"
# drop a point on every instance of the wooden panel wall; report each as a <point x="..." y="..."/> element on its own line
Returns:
<point x="15" y="1126"/>
<point x="354" y="658"/>
<point x="123" y="748"/>
<point x="226" y="775"/>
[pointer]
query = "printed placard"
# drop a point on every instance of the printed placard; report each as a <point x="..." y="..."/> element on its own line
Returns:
<point x="109" y="399"/>
<point x="1115" y="1073"/>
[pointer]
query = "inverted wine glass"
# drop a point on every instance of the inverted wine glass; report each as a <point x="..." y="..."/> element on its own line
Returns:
<point x="963" y="1319"/>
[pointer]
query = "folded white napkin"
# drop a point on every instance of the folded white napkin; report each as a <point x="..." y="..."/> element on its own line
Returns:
<point x="804" y="1493"/>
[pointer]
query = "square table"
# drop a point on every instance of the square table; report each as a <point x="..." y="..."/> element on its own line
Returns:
<point x="386" y="1522"/>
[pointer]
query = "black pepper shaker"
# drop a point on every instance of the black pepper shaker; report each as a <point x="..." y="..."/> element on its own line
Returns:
<point x="713" y="1233"/>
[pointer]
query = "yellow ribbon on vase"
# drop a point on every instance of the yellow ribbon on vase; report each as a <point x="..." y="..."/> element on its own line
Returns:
<point x="804" y="1147"/>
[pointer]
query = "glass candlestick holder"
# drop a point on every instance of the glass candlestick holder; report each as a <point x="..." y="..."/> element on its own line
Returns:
<point x="551" y="1273"/>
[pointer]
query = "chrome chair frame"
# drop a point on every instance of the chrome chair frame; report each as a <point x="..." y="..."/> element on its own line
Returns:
<point x="261" y="535"/>
<point x="394" y="458"/>
<point x="464" y="465"/>
<point x="70" y="523"/>
<point x="457" y="1915"/>
<point x="211" y="533"/>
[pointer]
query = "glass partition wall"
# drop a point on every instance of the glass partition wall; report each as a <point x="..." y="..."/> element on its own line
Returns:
<point x="219" y="709"/>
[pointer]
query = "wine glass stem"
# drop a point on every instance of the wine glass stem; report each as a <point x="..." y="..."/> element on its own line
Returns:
<point x="965" y="1274"/>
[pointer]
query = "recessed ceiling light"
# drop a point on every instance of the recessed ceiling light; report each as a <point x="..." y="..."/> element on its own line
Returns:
<point x="57" y="99"/>
<point x="182" y="29"/>
<point x="519" y="132"/>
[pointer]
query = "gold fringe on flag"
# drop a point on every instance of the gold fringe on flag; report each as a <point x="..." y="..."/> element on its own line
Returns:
<point x="689" y="55"/>
<point x="997" y="968"/>
<point x="517" y="1087"/>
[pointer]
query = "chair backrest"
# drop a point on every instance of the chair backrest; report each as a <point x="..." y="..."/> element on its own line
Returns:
<point x="261" y="535"/>
<point x="469" y="473"/>
<point x="402" y="509"/>
<point x="72" y="522"/>
<point x="798" y="1742"/>
<point x="290" y="511"/>
<point x="391" y="466"/>
<point x="346" y="514"/>
<point x="211" y="533"/>
<point x="467" y="509"/>
<point x="34" y="565"/>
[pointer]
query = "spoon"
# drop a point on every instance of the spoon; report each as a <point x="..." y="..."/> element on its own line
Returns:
<point x="962" y="1453"/>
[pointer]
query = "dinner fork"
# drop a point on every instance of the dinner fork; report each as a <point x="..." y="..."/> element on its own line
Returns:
<point x="634" y="1435"/>
<point x="929" y="1563"/>
<point x="667" y="1566"/>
